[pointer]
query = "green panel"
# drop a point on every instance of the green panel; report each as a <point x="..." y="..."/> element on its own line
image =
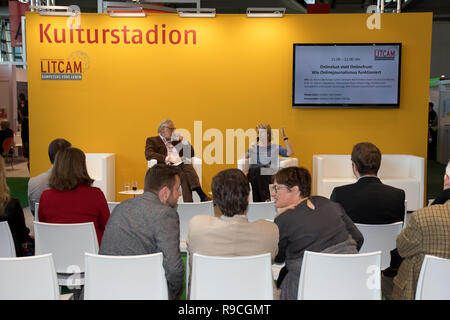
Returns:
<point x="18" y="188"/>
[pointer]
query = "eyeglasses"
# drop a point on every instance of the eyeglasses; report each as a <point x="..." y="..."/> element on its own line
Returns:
<point x="170" y="128"/>
<point x="278" y="187"/>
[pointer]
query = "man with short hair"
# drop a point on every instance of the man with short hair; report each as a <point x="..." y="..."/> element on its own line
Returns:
<point x="149" y="224"/>
<point x="427" y="232"/>
<point x="170" y="148"/>
<point x="369" y="201"/>
<point x="231" y="234"/>
<point x="39" y="184"/>
<point x="444" y="196"/>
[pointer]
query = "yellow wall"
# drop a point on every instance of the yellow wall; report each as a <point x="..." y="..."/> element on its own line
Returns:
<point x="238" y="74"/>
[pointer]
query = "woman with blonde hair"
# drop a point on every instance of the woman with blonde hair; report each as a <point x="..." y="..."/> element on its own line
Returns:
<point x="71" y="198"/>
<point x="11" y="211"/>
<point x="263" y="156"/>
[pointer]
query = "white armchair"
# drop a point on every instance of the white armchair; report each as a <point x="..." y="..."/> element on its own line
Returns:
<point x="398" y="170"/>
<point x="102" y="168"/>
<point x="197" y="164"/>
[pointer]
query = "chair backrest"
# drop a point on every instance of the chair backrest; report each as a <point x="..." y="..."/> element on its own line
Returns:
<point x="327" y="276"/>
<point x="7" y="247"/>
<point x="112" y="205"/>
<point x="187" y="210"/>
<point x="434" y="279"/>
<point x="380" y="237"/>
<point x="28" y="278"/>
<point x="261" y="210"/>
<point x="67" y="242"/>
<point x="7" y="144"/>
<point x="237" y="278"/>
<point x="125" y="277"/>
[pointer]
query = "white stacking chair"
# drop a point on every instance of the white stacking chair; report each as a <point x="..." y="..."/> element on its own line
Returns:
<point x="125" y="277"/>
<point x="112" y="205"/>
<point x="434" y="279"/>
<point x="326" y="276"/>
<point x="7" y="246"/>
<point x="68" y="243"/>
<point x="186" y="211"/>
<point x="380" y="237"/>
<point x="235" y="278"/>
<point x="28" y="278"/>
<point x="261" y="210"/>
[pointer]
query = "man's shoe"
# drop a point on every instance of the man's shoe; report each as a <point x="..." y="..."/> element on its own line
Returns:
<point x="205" y="198"/>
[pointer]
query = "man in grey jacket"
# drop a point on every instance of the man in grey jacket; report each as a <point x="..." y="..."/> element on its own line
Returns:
<point x="150" y="224"/>
<point x="38" y="184"/>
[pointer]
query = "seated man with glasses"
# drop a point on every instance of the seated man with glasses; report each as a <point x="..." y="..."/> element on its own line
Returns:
<point x="170" y="148"/>
<point x="306" y="222"/>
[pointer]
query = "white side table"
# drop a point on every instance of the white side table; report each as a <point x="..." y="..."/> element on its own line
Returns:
<point x="133" y="192"/>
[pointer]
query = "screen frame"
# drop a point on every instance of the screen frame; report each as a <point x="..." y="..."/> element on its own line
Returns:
<point x="346" y="105"/>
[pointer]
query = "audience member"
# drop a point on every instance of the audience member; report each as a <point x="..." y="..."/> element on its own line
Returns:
<point x="150" y="224"/>
<point x="263" y="157"/>
<point x="432" y="131"/>
<point x="11" y="211"/>
<point x="39" y="184"/>
<point x="171" y="148"/>
<point x="231" y="234"/>
<point x="71" y="198"/>
<point x="427" y="232"/>
<point x="305" y="222"/>
<point x="444" y="196"/>
<point x="396" y="259"/>
<point x="5" y="133"/>
<point x="369" y="201"/>
<point x="22" y="113"/>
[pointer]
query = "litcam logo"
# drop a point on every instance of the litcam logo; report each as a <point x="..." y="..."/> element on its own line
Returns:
<point x="71" y="68"/>
<point x="383" y="54"/>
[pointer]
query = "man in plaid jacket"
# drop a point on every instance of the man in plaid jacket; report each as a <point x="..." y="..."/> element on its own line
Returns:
<point x="427" y="232"/>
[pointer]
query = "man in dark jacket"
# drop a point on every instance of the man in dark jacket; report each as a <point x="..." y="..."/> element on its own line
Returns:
<point x="369" y="201"/>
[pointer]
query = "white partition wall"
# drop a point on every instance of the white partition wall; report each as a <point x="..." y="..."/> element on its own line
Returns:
<point x="398" y="170"/>
<point x="102" y="168"/>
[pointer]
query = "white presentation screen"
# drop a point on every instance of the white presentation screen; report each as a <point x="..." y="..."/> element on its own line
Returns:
<point x="346" y="75"/>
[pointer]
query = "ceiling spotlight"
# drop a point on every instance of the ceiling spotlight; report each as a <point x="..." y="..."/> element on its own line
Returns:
<point x="197" y="12"/>
<point x="266" y="12"/>
<point x="126" y="12"/>
<point x="62" y="11"/>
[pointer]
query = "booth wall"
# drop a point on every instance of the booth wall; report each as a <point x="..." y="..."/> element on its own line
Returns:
<point x="238" y="73"/>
